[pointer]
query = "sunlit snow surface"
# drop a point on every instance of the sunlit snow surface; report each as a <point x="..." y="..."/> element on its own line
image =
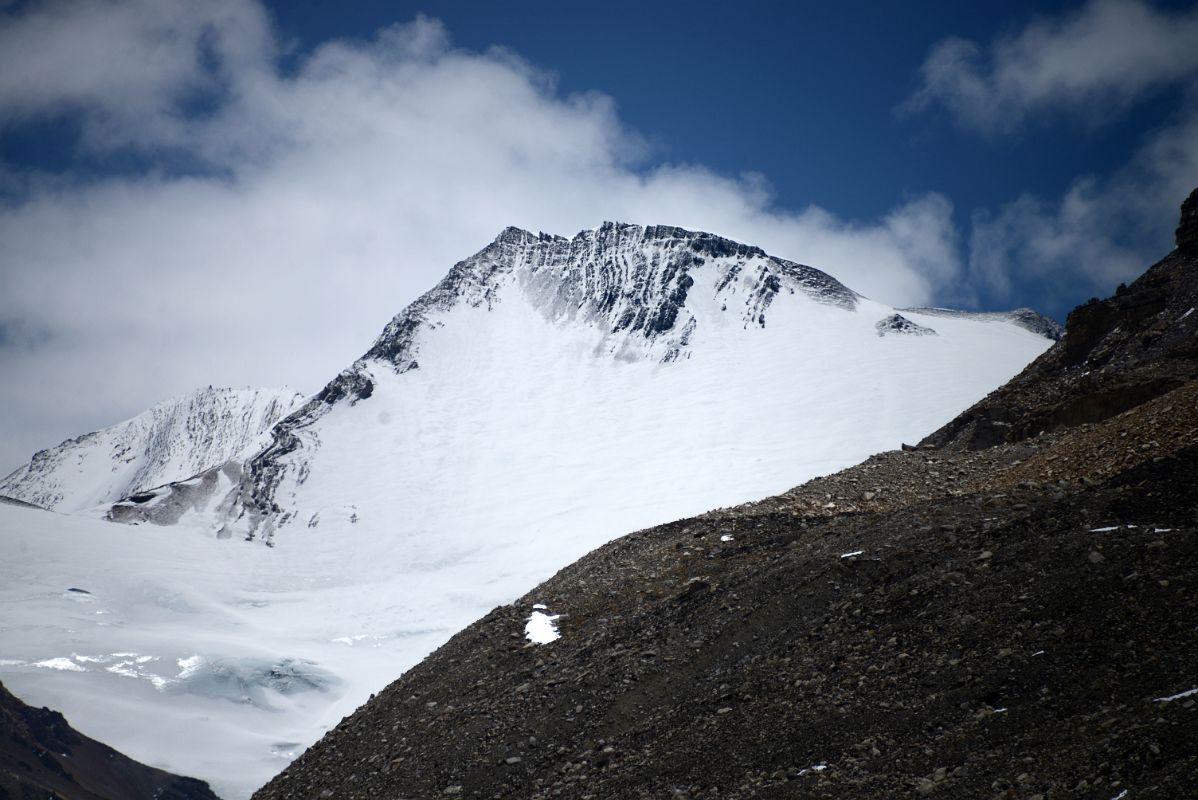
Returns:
<point x="516" y="447"/>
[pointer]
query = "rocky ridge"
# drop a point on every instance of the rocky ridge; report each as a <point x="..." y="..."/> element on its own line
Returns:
<point x="1119" y="352"/>
<point x="1001" y="612"/>
<point x="1187" y="227"/>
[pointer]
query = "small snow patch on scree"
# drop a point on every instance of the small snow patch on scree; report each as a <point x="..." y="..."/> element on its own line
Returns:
<point x="1177" y="696"/>
<point x="541" y="628"/>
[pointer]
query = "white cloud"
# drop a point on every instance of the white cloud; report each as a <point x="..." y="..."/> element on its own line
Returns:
<point x="1096" y="61"/>
<point x="1100" y="233"/>
<point x="339" y="191"/>
<point x="134" y="66"/>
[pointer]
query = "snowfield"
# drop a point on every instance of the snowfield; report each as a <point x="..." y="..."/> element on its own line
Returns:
<point x="530" y="433"/>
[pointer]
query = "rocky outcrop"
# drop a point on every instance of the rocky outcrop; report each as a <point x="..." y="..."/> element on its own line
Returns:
<point x="1116" y="353"/>
<point x="165" y="505"/>
<point x="900" y="325"/>
<point x="1187" y="228"/>
<point x="41" y="755"/>
<point x="632" y="279"/>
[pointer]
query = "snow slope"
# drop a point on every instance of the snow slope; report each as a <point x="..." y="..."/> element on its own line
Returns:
<point x="548" y="395"/>
<point x="172" y="441"/>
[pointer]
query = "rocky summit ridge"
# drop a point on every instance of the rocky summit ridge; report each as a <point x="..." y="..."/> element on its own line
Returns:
<point x="1006" y="611"/>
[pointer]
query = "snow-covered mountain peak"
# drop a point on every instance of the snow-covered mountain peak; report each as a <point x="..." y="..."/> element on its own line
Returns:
<point x="530" y="308"/>
<point x="638" y="285"/>
<point x="170" y="442"/>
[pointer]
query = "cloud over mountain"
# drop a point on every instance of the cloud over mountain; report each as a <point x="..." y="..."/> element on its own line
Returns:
<point x="1091" y="67"/>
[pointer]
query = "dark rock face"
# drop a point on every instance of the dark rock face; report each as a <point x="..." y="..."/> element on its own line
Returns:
<point x="42" y="756"/>
<point x="1116" y="353"/>
<point x="1005" y="616"/>
<point x="1187" y="228"/>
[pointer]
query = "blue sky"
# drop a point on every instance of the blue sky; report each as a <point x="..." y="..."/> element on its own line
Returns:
<point x="237" y="193"/>
<point x="803" y="93"/>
